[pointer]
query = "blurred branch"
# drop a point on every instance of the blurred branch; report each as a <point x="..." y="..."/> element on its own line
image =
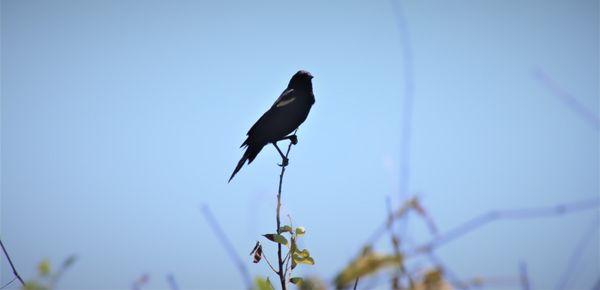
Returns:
<point x="397" y="253"/>
<point x="576" y="255"/>
<point x="11" y="264"/>
<point x="282" y="272"/>
<point x="597" y="285"/>
<point x="484" y="219"/>
<point x="172" y="282"/>
<point x="411" y="204"/>
<point x="407" y="106"/>
<point x="524" y="276"/>
<point x="567" y="98"/>
<point x="474" y="224"/>
<point x="227" y="245"/>
<point x="68" y="262"/>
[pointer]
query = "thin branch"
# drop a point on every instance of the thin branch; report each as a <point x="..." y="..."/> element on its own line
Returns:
<point x="287" y="260"/>
<point x="281" y="271"/>
<point x="227" y="245"/>
<point x="567" y="98"/>
<point x="576" y="255"/>
<point x="11" y="264"/>
<point x="517" y="214"/>
<point x="9" y="282"/>
<point x="269" y="263"/>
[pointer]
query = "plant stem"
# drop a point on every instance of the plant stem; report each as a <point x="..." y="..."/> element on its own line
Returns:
<point x="280" y="260"/>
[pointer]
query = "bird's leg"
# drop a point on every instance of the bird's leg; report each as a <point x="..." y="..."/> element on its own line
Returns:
<point x="284" y="159"/>
<point x="293" y="138"/>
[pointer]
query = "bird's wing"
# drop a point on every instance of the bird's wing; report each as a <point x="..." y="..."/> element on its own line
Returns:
<point x="287" y="97"/>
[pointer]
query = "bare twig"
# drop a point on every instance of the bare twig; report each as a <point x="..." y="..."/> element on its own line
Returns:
<point x="11" y="264"/>
<point x="227" y="245"/>
<point x="576" y="255"/>
<point x="356" y="283"/>
<point x="282" y="272"/>
<point x="567" y="98"/>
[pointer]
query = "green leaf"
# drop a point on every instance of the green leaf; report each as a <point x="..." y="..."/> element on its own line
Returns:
<point x="303" y="254"/>
<point x="308" y="261"/>
<point x="44" y="268"/>
<point x="285" y="228"/>
<point x="276" y="238"/>
<point x="300" y="231"/>
<point x="263" y="284"/>
<point x="302" y="260"/>
<point x="296" y="281"/>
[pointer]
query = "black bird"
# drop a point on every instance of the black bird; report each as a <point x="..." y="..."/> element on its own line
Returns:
<point x="286" y="114"/>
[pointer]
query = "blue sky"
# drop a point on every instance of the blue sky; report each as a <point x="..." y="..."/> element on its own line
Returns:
<point x="120" y="119"/>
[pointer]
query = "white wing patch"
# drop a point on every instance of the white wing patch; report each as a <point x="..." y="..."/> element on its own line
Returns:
<point x="283" y="103"/>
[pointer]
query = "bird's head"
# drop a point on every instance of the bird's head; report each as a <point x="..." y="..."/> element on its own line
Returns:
<point x="302" y="79"/>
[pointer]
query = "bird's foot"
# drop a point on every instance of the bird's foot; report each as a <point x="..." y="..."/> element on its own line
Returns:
<point x="285" y="162"/>
<point x="294" y="139"/>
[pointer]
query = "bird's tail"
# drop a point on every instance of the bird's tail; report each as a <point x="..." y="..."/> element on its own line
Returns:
<point x="249" y="155"/>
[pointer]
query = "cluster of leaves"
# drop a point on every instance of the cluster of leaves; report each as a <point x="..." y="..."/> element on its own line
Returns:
<point x="47" y="278"/>
<point x="294" y="256"/>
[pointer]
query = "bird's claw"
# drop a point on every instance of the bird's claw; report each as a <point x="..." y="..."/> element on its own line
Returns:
<point x="284" y="162"/>
<point x="294" y="139"/>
